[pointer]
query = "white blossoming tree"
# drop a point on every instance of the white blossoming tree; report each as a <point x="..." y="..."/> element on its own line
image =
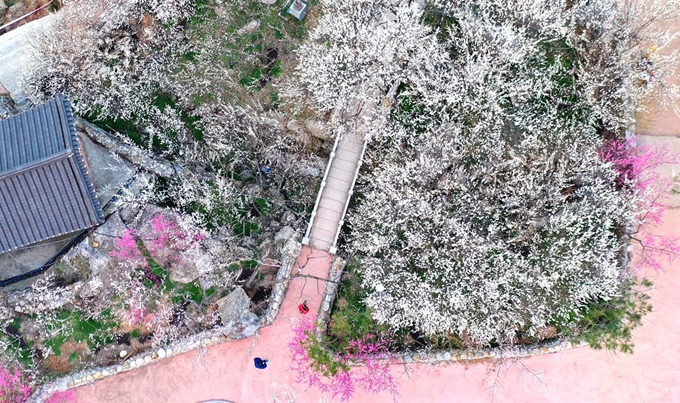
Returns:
<point x="485" y="205"/>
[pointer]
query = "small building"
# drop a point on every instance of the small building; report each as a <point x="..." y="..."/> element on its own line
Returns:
<point x="298" y="9"/>
<point x="45" y="188"/>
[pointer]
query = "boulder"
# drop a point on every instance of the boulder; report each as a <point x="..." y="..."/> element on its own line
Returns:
<point x="242" y="327"/>
<point x="219" y="251"/>
<point x="94" y="261"/>
<point x="294" y="127"/>
<point x="265" y="248"/>
<point x="7" y="108"/>
<point x="3" y="8"/>
<point x="234" y="305"/>
<point x="284" y="234"/>
<point x="288" y="217"/>
<point x="186" y="271"/>
<point x="249" y="27"/>
<point x="312" y="172"/>
<point x="15" y="11"/>
<point x="317" y="129"/>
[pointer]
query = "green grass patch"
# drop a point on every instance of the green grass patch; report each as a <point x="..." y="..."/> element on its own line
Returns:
<point x="191" y="292"/>
<point x="76" y="326"/>
<point x="192" y="123"/>
<point x="18" y="348"/>
<point x="350" y="318"/>
<point x="252" y="79"/>
<point x="125" y="127"/>
<point x="246" y="228"/>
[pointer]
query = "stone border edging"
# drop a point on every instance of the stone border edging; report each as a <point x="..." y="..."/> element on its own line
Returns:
<point x="291" y="251"/>
<point x="211" y="337"/>
<point x="435" y="356"/>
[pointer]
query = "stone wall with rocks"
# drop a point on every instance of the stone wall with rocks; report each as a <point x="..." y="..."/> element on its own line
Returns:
<point x="198" y="341"/>
<point x="38" y="298"/>
<point x="11" y="10"/>
<point x="289" y="254"/>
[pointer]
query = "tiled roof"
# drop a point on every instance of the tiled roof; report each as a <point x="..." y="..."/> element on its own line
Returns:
<point x="45" y="190"/>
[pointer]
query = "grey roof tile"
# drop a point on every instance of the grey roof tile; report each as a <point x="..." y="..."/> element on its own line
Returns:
<point x="45" y="190"/>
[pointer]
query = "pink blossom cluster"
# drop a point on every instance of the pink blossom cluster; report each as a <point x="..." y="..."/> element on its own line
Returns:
<point x="126" y="248"/>
<point x="636" y="165"/>
<point x="14" y="387"/>
<point x="165" y="241"/>
<point x="371" y="351"/>
<point x="166" y="236"/>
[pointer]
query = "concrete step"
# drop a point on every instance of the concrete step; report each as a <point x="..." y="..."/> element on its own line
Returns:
<point x="341" y="176"/>
<point x="328" y="216"/>
<point x="322" y="234"/>
<point x="331" y="204"/>
<point x="325" y="224"/>
<point x="334" y="195"/>
<point x="344" y="165"/>
<point x="336" y="190"/>
<point x="347" y="155"/>
<point x="320" y="244"/>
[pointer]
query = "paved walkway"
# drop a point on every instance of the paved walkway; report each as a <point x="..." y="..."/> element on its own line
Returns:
<point x="15" y="51"/>
<point x="335" y="194"/>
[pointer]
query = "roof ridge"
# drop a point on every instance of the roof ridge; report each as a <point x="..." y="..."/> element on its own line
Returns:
<point x="70" y="122"/>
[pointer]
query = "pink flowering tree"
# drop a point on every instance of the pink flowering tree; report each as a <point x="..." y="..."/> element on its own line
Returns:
<point x="364" y="364"/>
<point x="127" y="250"/>
<point x="14" y="386"/>
<point x="637" y="166"/>
<point x="157" y="243"/>
<point x="165" y="239"/>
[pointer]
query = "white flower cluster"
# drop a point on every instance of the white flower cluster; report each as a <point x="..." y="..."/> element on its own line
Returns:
<point x="365" y="42"/>
<point x="109" y="57"/>
<point x="487" y="208"/>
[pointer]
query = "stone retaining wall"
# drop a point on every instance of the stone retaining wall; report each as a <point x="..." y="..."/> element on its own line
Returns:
<point x="290" y="252"/>
<point x="437" y="356"/>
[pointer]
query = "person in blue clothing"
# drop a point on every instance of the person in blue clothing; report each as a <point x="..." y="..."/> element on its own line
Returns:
<point x="260" y="363"/>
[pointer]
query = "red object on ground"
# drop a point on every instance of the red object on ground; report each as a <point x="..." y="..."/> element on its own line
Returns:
<point x="303" y="308"/>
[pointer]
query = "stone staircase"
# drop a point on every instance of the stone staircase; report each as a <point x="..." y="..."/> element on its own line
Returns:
<point x="337" y="185"/>
<point x="335" y="193"/>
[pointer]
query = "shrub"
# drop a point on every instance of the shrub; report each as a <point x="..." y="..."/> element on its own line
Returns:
<point x="609" y="324"/>
<point x="339" y="375"/>
<point x="14" y="386"/>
